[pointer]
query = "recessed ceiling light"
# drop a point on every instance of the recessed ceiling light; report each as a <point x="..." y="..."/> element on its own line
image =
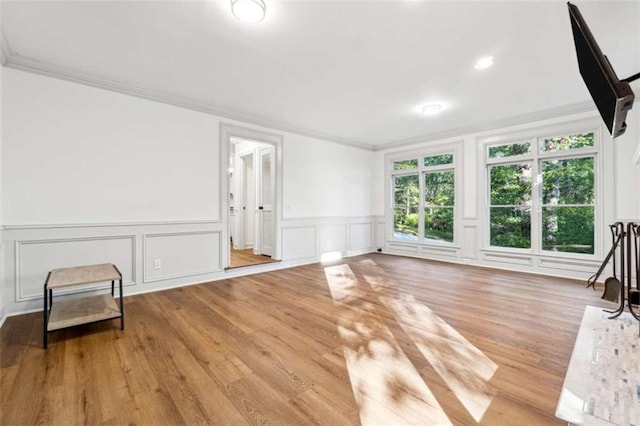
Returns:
<point x="484" y="63"/>
<point x="251" y="11"/>
<point x="431" y="109"/>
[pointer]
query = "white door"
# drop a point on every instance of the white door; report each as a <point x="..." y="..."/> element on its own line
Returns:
<point x="248" y="202"/>
<point x="266" y="190"/>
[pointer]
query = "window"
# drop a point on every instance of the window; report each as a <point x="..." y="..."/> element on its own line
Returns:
<point x="439" y="191"/>
<point x="424" y="198"/>
<point x="542" y="194"/>
<point x="406" y="207"/>
<point x="510" y="205"/>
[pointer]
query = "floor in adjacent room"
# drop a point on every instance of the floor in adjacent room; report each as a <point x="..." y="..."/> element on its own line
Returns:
<point x="246" y="257"/>
<point x="372" y="339"/>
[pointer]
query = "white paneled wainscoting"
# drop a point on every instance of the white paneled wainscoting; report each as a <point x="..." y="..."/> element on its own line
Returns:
<point x="159" y="255"/>
<point x="470" y="250"/>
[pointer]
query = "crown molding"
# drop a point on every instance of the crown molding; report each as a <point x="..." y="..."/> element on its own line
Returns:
<point x="43" y="68"/>
<point x="491" y="125"/>
<point x="11" y="60"/>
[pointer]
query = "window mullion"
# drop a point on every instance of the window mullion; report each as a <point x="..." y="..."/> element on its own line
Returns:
<point x="404" y="172"/>
<point x="536" y="207"/>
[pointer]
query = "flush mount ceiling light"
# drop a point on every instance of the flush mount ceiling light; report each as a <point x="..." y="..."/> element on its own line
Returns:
<point x="251" y="11"/>
<point x="431" y="109"/>
<point x="484" y="63"/>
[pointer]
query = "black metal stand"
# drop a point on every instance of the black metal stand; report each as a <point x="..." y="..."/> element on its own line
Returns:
<point x="628" y="261"/>
<point x="617" y="235"/>
<point x="632" y="78"/>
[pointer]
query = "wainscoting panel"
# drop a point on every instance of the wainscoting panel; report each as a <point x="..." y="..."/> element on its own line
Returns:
<point x="502" y="258"/>
<point x="168" y="250"/>
<point x="407" y="248"/>
<point x="570" y="265"/>
<point x="35" y="258"/>
<point x="469" y="241"/>
<point x="360" y="236"/>
<point x="332" y="238"/>
<point x="298" y="242"/>
<point x="439" y="253"/>
<point x="189" y="252"/>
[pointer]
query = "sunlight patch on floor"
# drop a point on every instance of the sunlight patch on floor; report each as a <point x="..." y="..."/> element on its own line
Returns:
<point x="343" y="284"/>
<point x="463" y="367"/>
<point x="385" y="384"/>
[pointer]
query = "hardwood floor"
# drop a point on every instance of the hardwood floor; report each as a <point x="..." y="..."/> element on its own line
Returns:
<point x="246" y="257"/>
<point x="371" y="339"/>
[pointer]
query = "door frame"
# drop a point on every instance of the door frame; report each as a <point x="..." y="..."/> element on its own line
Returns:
<point x="227" y="132"/>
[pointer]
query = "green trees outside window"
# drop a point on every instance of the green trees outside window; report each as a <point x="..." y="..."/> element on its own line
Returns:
<point x="439" y="194"/>
<point x="510" y="205"/>
<point x="425" y="197"/>
<point x="568" y="200"/>
<point x="562" y="199"/>
<point x="406" y="206"/>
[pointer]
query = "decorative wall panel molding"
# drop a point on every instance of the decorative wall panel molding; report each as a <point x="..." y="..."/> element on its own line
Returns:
<point x="508" y="258"/>
<point x="433" y="251"/>
<point x="299" y="242"/>
<point x="108" y="224"/>
<point x="469" y="241"/>
<point x="204" y="250"/>
<point x="332" y="238"/>
<point x="360" y="236"/>
<point x="568" y="264"/>
<point x="35" y="258"/>
<point x="408" y="248"/>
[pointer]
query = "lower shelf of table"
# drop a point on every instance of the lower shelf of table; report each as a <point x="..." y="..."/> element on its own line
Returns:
<point x="69" y="313"/>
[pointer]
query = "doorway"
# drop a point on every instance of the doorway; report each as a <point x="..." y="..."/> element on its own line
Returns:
<point x="252" y="187"/>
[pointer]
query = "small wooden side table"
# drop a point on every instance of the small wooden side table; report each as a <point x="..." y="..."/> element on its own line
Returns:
<point x="69" y="313"/>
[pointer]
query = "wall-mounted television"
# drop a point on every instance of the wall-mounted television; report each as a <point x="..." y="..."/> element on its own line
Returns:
<point x="613" y="97"/>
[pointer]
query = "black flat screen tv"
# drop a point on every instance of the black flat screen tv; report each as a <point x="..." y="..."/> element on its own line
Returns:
<point x="613" y="97"/>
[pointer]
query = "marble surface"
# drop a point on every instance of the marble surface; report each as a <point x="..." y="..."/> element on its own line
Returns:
<point x="602" y="385"/>
<point x="65" y="277"/>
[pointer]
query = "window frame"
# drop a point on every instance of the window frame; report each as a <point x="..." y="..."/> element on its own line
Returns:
<point x="536" y="158"/>
<point x="455" y="149"/>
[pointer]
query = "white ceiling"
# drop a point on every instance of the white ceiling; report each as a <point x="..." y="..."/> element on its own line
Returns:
<point x="354" y="72"/>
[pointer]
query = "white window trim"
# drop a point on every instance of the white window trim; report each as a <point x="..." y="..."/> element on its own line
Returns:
<point x="455" y="148"/>
<point x="534" y="135"/>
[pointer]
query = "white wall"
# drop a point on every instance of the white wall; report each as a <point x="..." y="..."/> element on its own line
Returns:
<point x="76" y="154"/>
<point x="2" y="267"/>
<point x="330" y="183"/>
<point x="324" y="180"/>
<point x="94" y="176"/>
<point x="626" y="173"/>
<point x="2" y="246"/>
